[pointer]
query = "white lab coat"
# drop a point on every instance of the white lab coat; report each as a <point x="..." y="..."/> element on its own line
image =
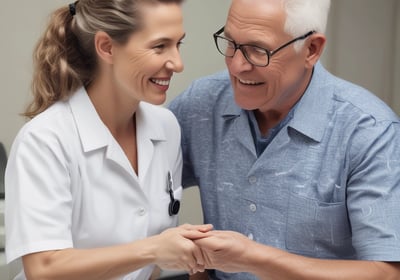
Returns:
<point x="69" y="183"/>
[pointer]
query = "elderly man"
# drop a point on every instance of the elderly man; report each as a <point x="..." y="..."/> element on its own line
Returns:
<point x="298" y="170"/>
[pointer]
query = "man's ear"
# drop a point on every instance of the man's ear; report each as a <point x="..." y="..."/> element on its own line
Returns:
<point x="104" y="46"/>
<point x="315" y="44"/>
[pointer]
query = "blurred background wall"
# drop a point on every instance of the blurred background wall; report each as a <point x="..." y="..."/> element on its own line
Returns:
<point x="363" y="47"/>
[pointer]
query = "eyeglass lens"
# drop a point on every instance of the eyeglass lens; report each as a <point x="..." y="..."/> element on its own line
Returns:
<point x="253" y="54"/>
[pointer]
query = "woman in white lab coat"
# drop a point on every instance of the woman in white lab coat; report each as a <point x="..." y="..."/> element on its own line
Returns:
<point x="94" y="178"/>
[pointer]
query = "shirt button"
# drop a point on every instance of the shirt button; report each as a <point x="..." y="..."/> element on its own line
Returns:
<point x="253" y="207"/>
<point x="250" y="236"/>
<point x="142" y="211"/>
<point x="252" y="179"/>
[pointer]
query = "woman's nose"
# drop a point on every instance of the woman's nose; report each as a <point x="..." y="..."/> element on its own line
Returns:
<point x="175" y="63"/>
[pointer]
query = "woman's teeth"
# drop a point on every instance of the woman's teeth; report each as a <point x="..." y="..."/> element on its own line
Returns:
<point x="160" y="82"/>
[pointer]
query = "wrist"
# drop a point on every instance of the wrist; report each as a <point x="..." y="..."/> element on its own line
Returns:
<point x="258" y="258"/>
<point x="146" y="249"/>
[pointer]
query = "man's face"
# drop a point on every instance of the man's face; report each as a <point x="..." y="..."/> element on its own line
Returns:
<point x="277" y="86"/>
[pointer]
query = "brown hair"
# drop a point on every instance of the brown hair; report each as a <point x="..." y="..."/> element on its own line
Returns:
<point x="65" y="59"/>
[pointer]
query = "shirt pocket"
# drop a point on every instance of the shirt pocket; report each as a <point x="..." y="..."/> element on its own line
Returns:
<point x="318" y="229"/>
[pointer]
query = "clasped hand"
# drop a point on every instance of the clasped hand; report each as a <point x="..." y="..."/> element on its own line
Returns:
<point x="194" y="248"/>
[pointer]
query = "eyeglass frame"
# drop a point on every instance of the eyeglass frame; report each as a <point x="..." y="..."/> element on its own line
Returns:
<point x="269" y="53"/>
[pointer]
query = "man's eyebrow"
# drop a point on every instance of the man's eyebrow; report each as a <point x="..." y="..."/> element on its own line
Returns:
<point x="256" y="43"/>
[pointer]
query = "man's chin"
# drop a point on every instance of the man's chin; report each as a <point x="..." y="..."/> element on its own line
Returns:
<point x="245" y="103"/>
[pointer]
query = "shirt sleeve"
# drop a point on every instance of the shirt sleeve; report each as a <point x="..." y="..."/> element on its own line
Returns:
<point x="374" y="192"/>
<point x="180" y="106"/>
<point x="38" y="197"/>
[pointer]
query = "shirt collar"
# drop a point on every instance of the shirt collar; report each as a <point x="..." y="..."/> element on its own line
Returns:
<point x="312" y="111"/>
<point x="231" y="109"/>
<point x="93" y="132"/>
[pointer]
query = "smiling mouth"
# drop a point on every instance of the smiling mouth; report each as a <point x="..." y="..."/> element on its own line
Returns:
<point x="160" y="82"/>
<point x="249" y="82"/>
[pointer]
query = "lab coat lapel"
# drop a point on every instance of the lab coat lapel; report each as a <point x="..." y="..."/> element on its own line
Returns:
<point x="116" y="154"/>
<point x="145" y="155"/>
<point x="93" y="132"/>
<point x="148" y="132"/>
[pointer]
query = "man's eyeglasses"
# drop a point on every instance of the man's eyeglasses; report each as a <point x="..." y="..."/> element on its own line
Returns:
<point x="255" y="55"/>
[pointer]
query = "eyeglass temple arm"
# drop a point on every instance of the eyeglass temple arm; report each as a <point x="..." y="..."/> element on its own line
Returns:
<point x="291" y="42"/>
<point x="220" y="30"/>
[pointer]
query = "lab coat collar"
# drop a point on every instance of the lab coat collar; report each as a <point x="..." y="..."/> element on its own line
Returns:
<point x="149" y="130"/>
<point x="93" y="132"/>
<point x="148" y="124"/>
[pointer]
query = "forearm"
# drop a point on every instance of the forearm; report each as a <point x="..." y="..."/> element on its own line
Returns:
<point x="270" y="263"/>
<point x="99" y="263"/>
<point x="172" y="249"/>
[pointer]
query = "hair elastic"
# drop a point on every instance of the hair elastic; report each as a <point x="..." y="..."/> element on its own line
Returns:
<point x="72" y="9"/>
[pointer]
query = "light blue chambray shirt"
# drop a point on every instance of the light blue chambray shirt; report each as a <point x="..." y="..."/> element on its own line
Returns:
<point x="326" y="186"/>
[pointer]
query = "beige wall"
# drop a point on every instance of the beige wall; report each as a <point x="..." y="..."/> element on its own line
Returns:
<point x="363" y="47"/>
<point x="364" y="44"/>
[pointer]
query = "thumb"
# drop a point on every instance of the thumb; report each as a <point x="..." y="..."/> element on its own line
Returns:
<point x="209" y="243"/>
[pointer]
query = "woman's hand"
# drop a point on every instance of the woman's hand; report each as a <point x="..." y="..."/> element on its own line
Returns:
<point x="175" y="249"/>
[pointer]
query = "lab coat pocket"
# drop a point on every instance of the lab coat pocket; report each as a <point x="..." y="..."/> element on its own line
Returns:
<point x="318" y="228"/>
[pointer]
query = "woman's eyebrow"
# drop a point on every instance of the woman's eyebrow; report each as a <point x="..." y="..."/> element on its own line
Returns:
<point x="167" y="39"/>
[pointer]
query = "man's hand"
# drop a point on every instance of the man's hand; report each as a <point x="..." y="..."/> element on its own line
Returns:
<point x="225" y="250"/>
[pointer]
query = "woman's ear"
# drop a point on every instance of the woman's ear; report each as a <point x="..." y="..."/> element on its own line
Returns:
<point x="104" y="46"/>
<point x="316" y="46"/>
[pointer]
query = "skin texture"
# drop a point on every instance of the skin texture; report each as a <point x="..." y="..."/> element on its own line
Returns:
<point x="271" y="92"/>
<point x="171" y="249"/>
<point x="128" y="74"/>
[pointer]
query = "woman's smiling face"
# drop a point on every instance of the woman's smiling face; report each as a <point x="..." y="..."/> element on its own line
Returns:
<point x="143" y="67"/>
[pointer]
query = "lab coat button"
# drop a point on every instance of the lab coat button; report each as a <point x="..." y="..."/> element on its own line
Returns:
<point x="142" y="211"/>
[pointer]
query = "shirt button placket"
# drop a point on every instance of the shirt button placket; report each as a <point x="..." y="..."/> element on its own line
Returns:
<point x="252" y="206"/>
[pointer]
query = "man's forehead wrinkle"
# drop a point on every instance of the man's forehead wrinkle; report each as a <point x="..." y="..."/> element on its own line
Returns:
<point x="256" y="21"/>
<point x="254" y="24"/>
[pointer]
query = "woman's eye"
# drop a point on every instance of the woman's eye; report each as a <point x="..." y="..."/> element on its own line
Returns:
<point x="164" y="46"/>
<point x="160" y="47"/>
